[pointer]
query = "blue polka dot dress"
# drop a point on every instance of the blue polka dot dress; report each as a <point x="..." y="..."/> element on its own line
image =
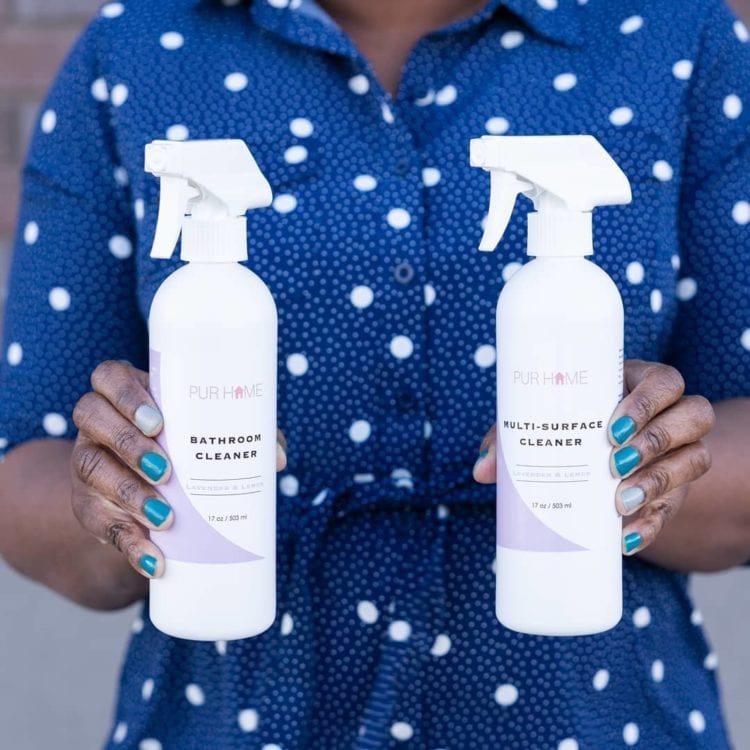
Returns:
<point x="386" y="635"/>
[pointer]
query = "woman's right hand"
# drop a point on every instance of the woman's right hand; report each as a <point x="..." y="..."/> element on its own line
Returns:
<point x="117" y="466"/>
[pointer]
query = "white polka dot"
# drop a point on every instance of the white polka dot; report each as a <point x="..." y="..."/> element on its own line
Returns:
<point x="686" y="289"/>
<point x="697" y="721"/>
<point x="320" y="497"/>
<point x="295" y="155"/>
<point x="682" y="70"/>
<point x="361" y="296"/>
<point x="426" y="100"/>
<point x="137" y="625"/>
<point x="112" y="10"/>
<point x="696" y="617"/>
<point x="399" y="630"/>
<point x="656" y="300"/>
<point x="568" y="743"/>
<point x="506" y="695"/>
<point x="31" y="233"/>
<point x="289" y="485"/>
<point x="547" y="4"/>
<point x="621" y="116"/>
<point x="365" y="478"/>
<point x="236" y="82"/>
<point x="387" y="113"/>
<point x="171" y="40"/>
<point x="657" y="670"/>
<point x="100" y="90"/>
<point x="630" y="733"/>
<point x="509" y="269"/>
<point x="447" y="95"/>
<point x="221" y="648"/>
<point x="642" y="617"/>
<point x="301" y="127"/>
<point x="497" y="125"/>
<point x="564" y="81"/>
<point x="398" y="218"/>
<point x="676" y="262"/>
<point x="194" y="694"/>
<point x="147" y="689"/>
<point x="248" y="719"/>
<point x="139" y="209"/>
<point x="484" y="356"/>
<point x="402" y="347"/>
<point x="430" y="176"/>
<point x="367" y="612"/>
<point x="359" y="431"/>
<point x="120" y="247"/>
<point x="287" y="624"/>
<point x="745" y="339"/>
<point x="359" y="84"/>
<point x="741" y="212"/>
<point x="634" y="272"/>
<point x="365" y="182"/>
<point x="443" y="511"/>
<point x="178" y="133"/>
<point x="272" y="746"/>
<point x="119" y="94"/>
<point x="427" y="433"/>
<point x="120" y="733"/>
<point x="14" y="354"/>
<point x="601" y="679"/>
<point x="441" y="646"/>
<point x="401" y="731"/>
<point x="662" y="170"/>
<point x="732" y="106"/>
<point x="511" y="39"/>
<point x="741" y="31"/>
<point x="149" y="744"/>
<point x="631" y="24"/>
<point x="284" y="203"/>
<point x="59" y="299"/>
<point x="121" y="176"/>
<point x="297" y="364"/>
<point x="278" y="3"/>
<point x="49" y="121"/>
<point x="711" y="661"/>
<point x="429" y="294"/>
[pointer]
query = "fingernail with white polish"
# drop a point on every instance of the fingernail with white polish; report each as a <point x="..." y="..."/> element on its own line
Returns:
<point x="147" y="419"/>
<point x="632" y="498"/>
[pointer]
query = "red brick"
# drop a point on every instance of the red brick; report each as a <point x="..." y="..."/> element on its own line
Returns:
<point x="30" y="57"/>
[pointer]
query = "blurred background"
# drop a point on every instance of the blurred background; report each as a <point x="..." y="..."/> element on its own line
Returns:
<point x="59" y="663"/>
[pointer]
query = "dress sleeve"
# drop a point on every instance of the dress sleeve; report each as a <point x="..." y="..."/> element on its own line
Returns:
<point x="711" y="340"/>
<point x="71" y="297"/>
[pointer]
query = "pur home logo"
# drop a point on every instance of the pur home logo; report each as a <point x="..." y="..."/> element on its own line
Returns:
<point x="550" y="377"/>
<point x="225" y="392"/>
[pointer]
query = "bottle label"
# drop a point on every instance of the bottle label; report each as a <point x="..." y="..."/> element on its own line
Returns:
<point x="219" y="409"/>
<point x="555" y="489"/>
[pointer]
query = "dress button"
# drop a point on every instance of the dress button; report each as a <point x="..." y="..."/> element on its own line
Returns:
<point x="404" y="273"/>
<point x="403" y="166"/>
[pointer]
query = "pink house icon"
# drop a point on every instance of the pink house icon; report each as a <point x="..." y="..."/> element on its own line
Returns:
<point x="559" y="379"/>
<point x="239" y="392"/>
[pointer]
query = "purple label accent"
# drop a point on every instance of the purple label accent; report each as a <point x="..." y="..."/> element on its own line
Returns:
<point x="190" y="538"/>
<point x="517" y="526"/>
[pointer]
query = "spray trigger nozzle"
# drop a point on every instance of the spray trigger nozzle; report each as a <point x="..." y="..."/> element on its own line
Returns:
<point x="505" y="187"/>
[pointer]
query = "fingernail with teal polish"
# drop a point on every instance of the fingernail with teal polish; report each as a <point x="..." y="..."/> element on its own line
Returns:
<point x="632" y="498"/>
<point x="626" y="459"/>
<point x="622" y="429"/>
<point x="482" y="456"/>
<point x="148" y="564"/>
<point x="153" y="466"/>
<point x="632" y="541"/>
<point x="147" y="419"/>
<point x="156" y="511"/>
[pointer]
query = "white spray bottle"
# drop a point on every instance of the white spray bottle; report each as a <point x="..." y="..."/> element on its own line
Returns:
<point x="213" y="342"/>
<point x="559" y="378"/>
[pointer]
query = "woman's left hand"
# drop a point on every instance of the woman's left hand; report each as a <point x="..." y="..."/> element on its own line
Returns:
<point x="656" y="434"/>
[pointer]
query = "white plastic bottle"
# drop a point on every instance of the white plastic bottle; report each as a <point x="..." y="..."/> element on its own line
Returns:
<point x="559" y="378"/>
<point x="213" y="342"/>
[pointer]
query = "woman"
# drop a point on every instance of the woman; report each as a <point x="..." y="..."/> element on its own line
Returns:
<point x="359" y="113"/>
